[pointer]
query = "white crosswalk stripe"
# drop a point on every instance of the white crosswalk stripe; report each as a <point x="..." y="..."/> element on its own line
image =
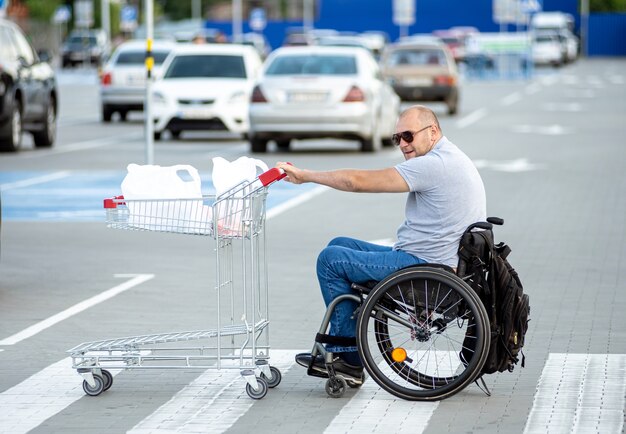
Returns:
<point x="212" y="403"/>
<point x="580" y="393"/>
<point x="39" y="397"/>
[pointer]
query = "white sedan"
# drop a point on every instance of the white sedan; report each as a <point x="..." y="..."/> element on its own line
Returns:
<point x="322" y="92"/>
<point x="547" y="50"/>
<point x="123" y="79"/>
<point x="205" y="87"/>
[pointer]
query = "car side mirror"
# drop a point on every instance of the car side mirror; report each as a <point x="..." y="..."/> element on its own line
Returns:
<point x="44" y="55"/>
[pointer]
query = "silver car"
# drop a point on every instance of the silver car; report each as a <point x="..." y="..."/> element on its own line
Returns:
<point x="123" y="78"/>
<point x="322" y="92"/>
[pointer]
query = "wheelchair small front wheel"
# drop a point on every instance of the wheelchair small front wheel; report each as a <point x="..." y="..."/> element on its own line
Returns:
<point x="336" y="387"/>
<point x="415" y="329"/>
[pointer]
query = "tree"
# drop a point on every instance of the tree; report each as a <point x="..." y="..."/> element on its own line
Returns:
<point x="42" y="9"/>
<point x="607" y="5"/>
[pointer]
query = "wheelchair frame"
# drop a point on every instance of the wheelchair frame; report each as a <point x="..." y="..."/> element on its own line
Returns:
<point x="402" y="364"/>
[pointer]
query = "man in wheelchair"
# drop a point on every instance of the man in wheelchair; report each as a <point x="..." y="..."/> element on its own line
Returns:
<point x="445" y="195"/>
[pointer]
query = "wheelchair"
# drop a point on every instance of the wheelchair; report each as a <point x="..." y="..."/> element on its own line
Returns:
<point x="422" y="333"/>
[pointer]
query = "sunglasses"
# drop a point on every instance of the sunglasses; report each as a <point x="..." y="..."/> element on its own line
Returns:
<point x="407" y="136"/>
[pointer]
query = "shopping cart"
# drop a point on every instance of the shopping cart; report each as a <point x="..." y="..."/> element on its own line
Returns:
<point x="235" y="220"/>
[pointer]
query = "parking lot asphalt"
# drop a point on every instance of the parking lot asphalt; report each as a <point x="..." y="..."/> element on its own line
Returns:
<point x="551" y="153"/>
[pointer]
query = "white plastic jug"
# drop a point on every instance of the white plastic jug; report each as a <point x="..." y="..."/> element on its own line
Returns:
<point x="228" y="174"/>
<point x="166" y="199"/>
<point x="156" y="182"/>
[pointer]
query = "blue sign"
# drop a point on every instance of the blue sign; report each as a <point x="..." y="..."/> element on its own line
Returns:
<point x="257" y="19"/>
<point x="128" y="18"/>
<point x="62" y="14"/>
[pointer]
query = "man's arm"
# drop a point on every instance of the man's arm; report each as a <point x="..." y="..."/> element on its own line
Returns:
<point x="354" y="180"/>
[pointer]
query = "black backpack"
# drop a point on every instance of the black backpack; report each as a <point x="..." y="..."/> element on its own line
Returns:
<point x="484" y="266"/>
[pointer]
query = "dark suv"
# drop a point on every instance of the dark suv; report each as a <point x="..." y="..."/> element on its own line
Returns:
<point x="85" y="46"/>
<point x="28" y="92"/>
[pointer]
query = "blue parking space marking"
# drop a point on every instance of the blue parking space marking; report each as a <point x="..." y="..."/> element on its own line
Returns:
<point x="76" y="196"/>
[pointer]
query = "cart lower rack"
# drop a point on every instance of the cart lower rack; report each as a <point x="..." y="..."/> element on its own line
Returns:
<point x="235" y="221"/>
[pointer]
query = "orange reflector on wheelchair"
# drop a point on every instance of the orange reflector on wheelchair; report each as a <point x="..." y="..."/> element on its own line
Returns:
<point x="398" y="355"/>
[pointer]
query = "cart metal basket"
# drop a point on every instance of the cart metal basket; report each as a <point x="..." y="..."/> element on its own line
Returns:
<point x="240" y="340"/>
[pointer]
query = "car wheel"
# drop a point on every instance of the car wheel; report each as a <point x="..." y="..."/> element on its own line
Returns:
<point x="258" y="145"/>
<point x="45" y="138"/>
<point x="175" y="133"/>
<point x="107" y="113"/>
<point x="373" y="143"/>
<point x="283" y="144"/>
<point x="157" y="135"/>
<point x="13" y="140"/>
<point x="453" y="104"/>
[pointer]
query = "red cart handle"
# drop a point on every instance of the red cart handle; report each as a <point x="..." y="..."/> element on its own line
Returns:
<point x="113" y="202"/>
<point x="272" y="175"/>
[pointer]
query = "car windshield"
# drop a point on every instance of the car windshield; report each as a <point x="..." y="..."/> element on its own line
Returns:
<point x="139" y="57"/>
<point x="450" y="40"/>
<point x="546" y="38"/>
<point x="89" y="40"/>
<point x="206" y="66"/>
<point x="318" y="65"/>
<point x="417" y="57"/>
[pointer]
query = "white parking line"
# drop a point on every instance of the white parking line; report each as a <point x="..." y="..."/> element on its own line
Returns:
<point x="82" y="146"/>
<point x="580" y="393"/>
<point x="471" y="118"/>
<point x="511" y="99"/>
<point x="301" y="198"/>
<point x="34" y="181"/>
<point x="211" y="403"/>
<point x="137" y="279"/>
<point x="39" y="397"/>
<point x="532" y="88"/>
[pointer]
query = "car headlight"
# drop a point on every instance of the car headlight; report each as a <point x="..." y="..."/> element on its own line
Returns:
<point x="158" y="98"/>
<point x="237" y="98"/>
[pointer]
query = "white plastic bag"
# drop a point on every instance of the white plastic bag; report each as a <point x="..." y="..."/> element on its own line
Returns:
<point x="168" y="186"/>
<point x="231" y="208"/>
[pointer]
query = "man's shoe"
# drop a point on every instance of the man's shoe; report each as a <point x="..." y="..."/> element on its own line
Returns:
<point x="318" y="369"/>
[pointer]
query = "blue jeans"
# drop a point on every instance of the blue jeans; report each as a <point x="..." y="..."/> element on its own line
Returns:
<point x="346" y="261"/>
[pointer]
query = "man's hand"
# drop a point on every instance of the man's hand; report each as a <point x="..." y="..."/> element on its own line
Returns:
<point x="294" y="175"/>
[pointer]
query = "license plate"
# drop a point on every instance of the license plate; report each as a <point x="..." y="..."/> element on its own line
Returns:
<point x="197" y="113"/>
<point x="135" y="80"/>
<point x="307" y="97"/>
<point x="419" y="81"/>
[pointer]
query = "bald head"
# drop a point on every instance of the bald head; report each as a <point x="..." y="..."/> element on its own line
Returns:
<point x="422" y="116"/>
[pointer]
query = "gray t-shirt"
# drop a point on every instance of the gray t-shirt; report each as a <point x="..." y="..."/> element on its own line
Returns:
<point x="446" y="196"/>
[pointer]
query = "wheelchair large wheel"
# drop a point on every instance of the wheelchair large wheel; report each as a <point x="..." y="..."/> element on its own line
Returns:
<point x="412" y="329"/>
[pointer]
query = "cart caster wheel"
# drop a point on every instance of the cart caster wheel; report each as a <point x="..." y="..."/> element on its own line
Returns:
<point x="260" y="392"/>
<point x="108" y="379"/>
<point x="95" y="390"/>
<point x="336" y="387"/>
<point x="276" y="377"/>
